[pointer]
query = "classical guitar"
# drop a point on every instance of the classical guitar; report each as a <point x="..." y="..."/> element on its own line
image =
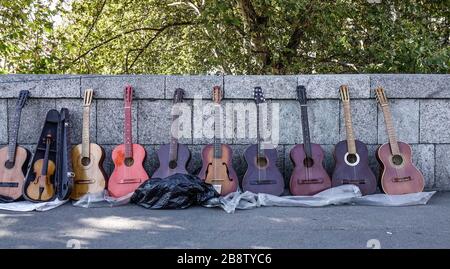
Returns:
<point x="173" y="157"/>
<point x="14" y="159"/>
<point x="87" y="158"/>
<point x="217" y="168"/>
<point x="399" y="175"/>
<point x="42" y="188"/>
<point x="128" y="158"/>
<point x="262" y="175"/>
<point x="309" y="176"/>
<point x="351" y="156"/>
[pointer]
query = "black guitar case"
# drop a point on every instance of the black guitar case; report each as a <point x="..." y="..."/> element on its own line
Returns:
<point x="64" y="173"/>
<point x="58" y="126"/>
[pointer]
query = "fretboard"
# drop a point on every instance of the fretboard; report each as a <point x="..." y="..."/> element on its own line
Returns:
<point x="305" y="131"/>
<point x="14" y="131"/>
<point x="390" y="130"/>
<point x="351" y="147"/>
<point x="128" y="137"/>
<point x="260" y="150"/>
<point x="217" y="133"/>
<point x="85" y="134"/>
<point x="173" y="149"/>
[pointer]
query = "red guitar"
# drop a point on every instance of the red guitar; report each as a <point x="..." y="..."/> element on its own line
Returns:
<point x="128" y="158"/>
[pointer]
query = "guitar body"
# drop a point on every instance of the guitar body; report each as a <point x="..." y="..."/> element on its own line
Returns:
<point x="357" y="173"/>
<point x="127" y="175"/>
<point x="399" y="178"/>
<point x="166" y="167"/>
<point x="90" y="176"/>
<point x="309" y="176"/>
<point x="262" y="177"/>
<point x="12" y="179"/>
<point x="219" y="171"/>
<point x="41" y="188"/>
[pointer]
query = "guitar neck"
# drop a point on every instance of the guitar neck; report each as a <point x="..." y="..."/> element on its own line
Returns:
<point x="217" y="133"/>
<point x="13" y="136"/>
<point x="260" y="150"/>
<point x="390" y="130"/>
<point x="128" y="136"/>
<point x="351" y="147"/>
<point x="305" y="130"/>
<point x="173" y="149"/>
<point x="85" y="135"/>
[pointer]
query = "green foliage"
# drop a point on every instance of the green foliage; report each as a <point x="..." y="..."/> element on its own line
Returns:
<point x="225" y="36"/>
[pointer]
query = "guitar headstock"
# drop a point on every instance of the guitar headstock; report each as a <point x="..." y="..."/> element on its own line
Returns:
<point x="381" y="96"/>
<point x="259" y="95"/>
<point x="128" y="95"/>
<point x="178" y="95"/>
<point x="345" y="94"/>
<point x="87" y="99"/>
<point x="217" y="94"/>
<point x="301" y="94"/>
<point x="23" y="96"/>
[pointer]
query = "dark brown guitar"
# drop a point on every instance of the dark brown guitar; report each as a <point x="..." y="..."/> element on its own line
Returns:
<point x="173" y="157"/>
<point x="309" y="176"/>
<point x="262" y="175"/>
<point x="14" y="159"/>
<point x="351" y="156"/>
<point x="41" y="188"/>
<point x="399" y="175"/>
<point x="217" y="168"/>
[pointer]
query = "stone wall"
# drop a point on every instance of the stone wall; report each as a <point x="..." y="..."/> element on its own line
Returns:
<point x="420" y="105"/>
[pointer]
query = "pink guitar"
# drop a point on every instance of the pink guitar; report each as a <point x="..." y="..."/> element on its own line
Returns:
<point x="128" y="158"/>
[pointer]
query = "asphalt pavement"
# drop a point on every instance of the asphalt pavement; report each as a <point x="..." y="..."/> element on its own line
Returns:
<point x="130" y="226"/>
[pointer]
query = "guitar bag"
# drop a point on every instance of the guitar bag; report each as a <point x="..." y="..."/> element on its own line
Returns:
<point x="64" y="173"/>
<point x="50" y="127"/>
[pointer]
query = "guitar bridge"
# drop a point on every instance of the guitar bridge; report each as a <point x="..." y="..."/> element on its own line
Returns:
<point x="130" y="181"/>
<point x="9" y="185"/>
<point x="263" y="182"/>
<point x="401" y="179"/>
<point x="310" y="181"/>
<point x="84" y="181"/>
<point x="354" y="181"/>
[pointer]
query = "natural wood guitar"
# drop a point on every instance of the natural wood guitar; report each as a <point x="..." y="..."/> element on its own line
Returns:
<point x="42" y="188"/>
<point x="128" y="158"/>
<point x="87" y="158"/>
<point x="14" y="159"/>
<point x="217" y="168"/>
<point x="351" y="156"/>
<point x="399" y="175"/>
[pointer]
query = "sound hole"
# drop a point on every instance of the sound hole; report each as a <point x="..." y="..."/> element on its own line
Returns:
<point x="308" y="162"/>
<point x="261" y="161"/>
<point x="9" y="164"/>
<point x="172" y="164"/>
<point x="397" y="159"/>
<point x="352" y="158"/>
<point x="129" y="161"/>
<point x="85" y="161"/>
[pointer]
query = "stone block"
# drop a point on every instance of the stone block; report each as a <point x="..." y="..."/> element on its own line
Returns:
<point x="434" y="121"/>
<point x="274" y="87"/>
<point x="110" y="122"/>
<point x="364" y="118"/>
<point x="194" y="86"/>
<point x="327" y="86"/>
<point x="405" y="114"/>
<point x="42" y="88"/>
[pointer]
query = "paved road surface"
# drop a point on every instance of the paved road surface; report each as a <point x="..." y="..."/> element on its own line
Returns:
<point x="134" y="227"/>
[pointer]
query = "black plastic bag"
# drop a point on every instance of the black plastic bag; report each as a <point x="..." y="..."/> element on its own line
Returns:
<point x="176" y="191"/>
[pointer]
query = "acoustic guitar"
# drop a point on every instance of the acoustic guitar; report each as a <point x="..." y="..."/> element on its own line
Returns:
<point x="87" y="158"/>
<point x="174" y="157"/>
<point x="399" y="175"/>
<point x="42" y="188"/>
<point x="351" y="156"/>
<point x="217" y="168"/>
<point x="309" y="176"/>
<point x="14" y="159"/>
<point x="262" y="175"/>
<point x="128" y="158"/>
